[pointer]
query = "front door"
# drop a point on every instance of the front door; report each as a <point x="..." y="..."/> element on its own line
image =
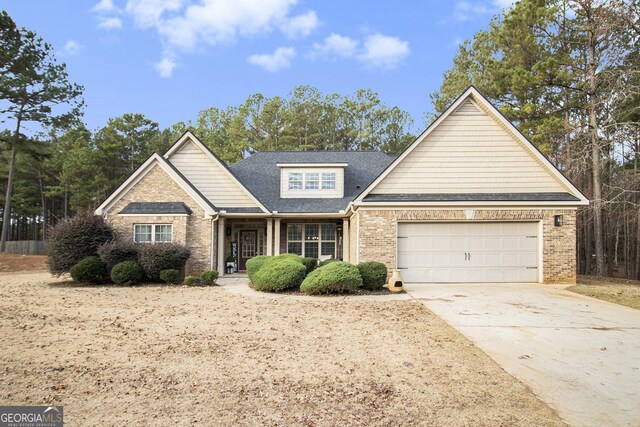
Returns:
<point x="248" y="247"/>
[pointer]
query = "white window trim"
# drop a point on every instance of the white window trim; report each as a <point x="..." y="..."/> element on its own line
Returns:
<point x="304" y="179"/>
<point x="153" y="232"/>
<point x="319" y="241"/>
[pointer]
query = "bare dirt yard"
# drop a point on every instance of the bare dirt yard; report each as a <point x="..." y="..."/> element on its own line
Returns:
<point x="620" y="291"/>
<point x="22" y="263"/>
<point x="181" y="356"/>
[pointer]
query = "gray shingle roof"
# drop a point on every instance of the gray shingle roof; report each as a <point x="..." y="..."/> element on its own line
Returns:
<point x="261" y="176"/>
<point x="156" y="208"/>
<point x="473" y="197"/>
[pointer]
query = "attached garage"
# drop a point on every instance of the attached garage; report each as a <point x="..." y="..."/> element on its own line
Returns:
<point x="482" y="252"/>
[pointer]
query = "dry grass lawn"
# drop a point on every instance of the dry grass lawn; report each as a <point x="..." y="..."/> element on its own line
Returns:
<point x="182" y="355"/>
<point x="619" y="291"/>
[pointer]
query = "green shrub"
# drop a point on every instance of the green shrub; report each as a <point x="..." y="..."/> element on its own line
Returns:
<point x="327" y="261"/>
<point x="209" y="277"/>
<point x="279" y="274"/>
<point x="335" y="277"/>
<point x="374" y="275"/>
<point x="290" y="257"/>
<point x="310" y="263"/>
<point x="255" y="264"/>
<point x="162" y="256"/>
<point x="74" y="239"/>
<point x="171" y="276"/>
<point x="126" y="273"/>
<point x="90" y="270"/>
<point x="117" y="251"/>
<point x="191" y="281"/>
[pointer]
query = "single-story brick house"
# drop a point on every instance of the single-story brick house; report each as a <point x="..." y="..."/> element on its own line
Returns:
<point x="471" y="200"/>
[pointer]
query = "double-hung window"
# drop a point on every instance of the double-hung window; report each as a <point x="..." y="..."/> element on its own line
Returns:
<point x="329" y="181"/>
<point x="295" y="181"/>
<point x="311" y="181"/>
<point x="312" y="240"/>
<point x="152" y="233"/>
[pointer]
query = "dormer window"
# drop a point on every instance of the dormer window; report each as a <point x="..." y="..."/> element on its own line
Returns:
<point x="329" y="181"/>
<point x="320" y="180"/>
<point x="295" y="181"/>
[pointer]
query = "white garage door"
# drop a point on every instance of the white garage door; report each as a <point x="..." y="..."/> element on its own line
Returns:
<point x="468" y="252"/>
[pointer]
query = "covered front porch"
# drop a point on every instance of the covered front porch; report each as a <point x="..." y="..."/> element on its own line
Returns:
<point x="246" y="237"/>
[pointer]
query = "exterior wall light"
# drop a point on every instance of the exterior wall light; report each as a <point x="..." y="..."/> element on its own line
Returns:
<point x="558" y="220"/>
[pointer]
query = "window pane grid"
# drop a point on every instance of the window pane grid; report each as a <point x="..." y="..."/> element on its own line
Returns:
<point x="295" y="181"/>
<point x="311" y="181"/>
<point x="152" y="233"/>
<point x="312" y="240"/>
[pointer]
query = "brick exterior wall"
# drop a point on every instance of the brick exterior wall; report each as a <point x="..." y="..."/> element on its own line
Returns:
<point x="378" y="230"/>
<point x="193" y="230"/>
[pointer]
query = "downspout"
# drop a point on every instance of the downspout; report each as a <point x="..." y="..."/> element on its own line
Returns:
<point x="214" y="220"/>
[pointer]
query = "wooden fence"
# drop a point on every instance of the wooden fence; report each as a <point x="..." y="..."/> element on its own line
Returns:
<point x="26" y="247"/>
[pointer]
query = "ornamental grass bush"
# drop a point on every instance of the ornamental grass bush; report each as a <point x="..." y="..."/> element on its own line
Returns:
<point x="89" y="270"/>
<point x="332" y="278"/>
<point x="75" y="239"/>
<point x="153" y="258"/>
<point x="310" y="263"/>
<point x="171" y="276"/>
<point x="127" y="273"/>
<point x="279" y="274"/>
<point x="209" y="277"/>
<point x="117" y="251"/>
<point x="374" y="275"/>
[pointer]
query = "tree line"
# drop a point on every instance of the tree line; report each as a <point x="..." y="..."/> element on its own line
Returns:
<point x="66" y="167"/>
<point x="567" y="73"/>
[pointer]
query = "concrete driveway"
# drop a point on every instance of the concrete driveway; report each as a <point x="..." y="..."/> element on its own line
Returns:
<point x="578" y="354"/>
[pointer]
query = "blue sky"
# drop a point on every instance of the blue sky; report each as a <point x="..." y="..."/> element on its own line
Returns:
<point x="169" y="59"/>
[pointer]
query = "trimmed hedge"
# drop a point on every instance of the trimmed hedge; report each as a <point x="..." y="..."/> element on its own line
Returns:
<point x="116" y="251"/>
<point x="332" y="278"/>
<point x="374" y="275"/>
<point x="310" y="263"/>
<point x="327" y="261"/>
<point x="162" y="256"/>
<point x="209" y="277"/>
<point x="255" y="264"/>
<point x="291" y="257"/>
<point x="171" y="276"/>
<point x="126" y="273"/>
<point x="90" y="270"/>
<point x="191" y="281"/>
<point x="75" y="239"/>
<point x="279" y="274"/>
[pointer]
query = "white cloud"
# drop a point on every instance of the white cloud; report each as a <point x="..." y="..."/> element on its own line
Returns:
<point x="71" y="48"/>
<point x="300" y="25"/>
<point x="335" y="46"/>
<point x="107" y="15"/>
<point x="109" y="23"/>
<point x="278" y="60"/>
<point x="382" y="51"/>
<point x="211" y="22"/>
<point x="376" y="51"/>
<point x="148" y="13"/>
<point x="165" y="67"/>
<point x="104" y="6"/>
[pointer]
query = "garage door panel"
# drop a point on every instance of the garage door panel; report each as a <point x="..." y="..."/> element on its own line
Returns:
<point x="468" y="252"/>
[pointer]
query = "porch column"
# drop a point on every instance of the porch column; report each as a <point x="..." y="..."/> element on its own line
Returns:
<point x="221" y="235"/>
<point x="276" y="240"/>
<point x="269" y="236"/>
<point x="345" y="239"/>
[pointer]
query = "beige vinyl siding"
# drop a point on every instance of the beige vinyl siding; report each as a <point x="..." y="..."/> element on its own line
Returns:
<point x="469" y="152"/>
<point x="210" y="178"/>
